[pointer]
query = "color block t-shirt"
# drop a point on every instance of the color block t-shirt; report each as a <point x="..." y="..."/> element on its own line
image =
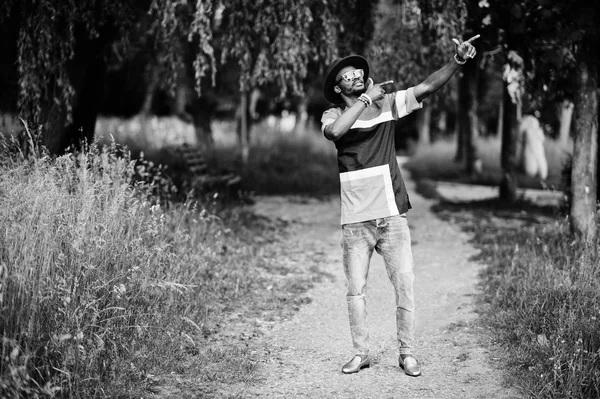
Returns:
<point x="370" y="179"/>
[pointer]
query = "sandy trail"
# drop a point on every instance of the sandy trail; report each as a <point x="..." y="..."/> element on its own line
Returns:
<point x="303" y="356"/>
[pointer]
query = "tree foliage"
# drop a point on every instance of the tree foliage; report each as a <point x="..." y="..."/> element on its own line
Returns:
<point x="271" y="42"/>
<point x="415" y="36"/>
<point x="48" y="35"/>
<point x="547" y="35"/>
<point x="558" y="42"/>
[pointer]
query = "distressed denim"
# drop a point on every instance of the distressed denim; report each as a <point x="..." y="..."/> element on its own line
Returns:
<point x="390" y="237"/>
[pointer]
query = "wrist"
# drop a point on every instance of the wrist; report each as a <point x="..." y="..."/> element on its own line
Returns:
<point x="365" y="99"/>
<point x="459" y="60"/>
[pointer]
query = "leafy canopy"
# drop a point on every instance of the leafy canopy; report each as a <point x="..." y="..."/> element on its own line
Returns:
<point x="272" y="41"/>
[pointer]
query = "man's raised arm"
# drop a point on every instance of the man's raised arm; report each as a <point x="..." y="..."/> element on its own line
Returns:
<point x="436" y="80"/>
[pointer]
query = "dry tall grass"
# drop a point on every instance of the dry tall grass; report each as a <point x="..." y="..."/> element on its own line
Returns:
<point x="100" y="280"/>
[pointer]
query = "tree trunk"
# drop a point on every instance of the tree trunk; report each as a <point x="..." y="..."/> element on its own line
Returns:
<point x="468" y="119"/>
<point x="151" y="84"/>
<point x="566" y="116"/>
<point x="508" y="157"/>
<point x="203" y="131"/>
<point x="442" y="125"/>
<point x="87" y="107"/>
<point x="52" y="120"/>
<point x="201" y="110"/>
<point x="243" y="127"/>
<point x="472" y="130"/>
<point x="583" y="171"/>
<point x="181" y="100"/>
<point x="460" y="147"/>
<point x="499" y="126"/>
<point x="301" y="124"/>
<point x="86" y="74"/>
<point x="424" y="126"/>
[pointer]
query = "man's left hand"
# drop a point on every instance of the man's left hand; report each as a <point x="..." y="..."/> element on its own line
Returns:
<point x="465" y="50"/>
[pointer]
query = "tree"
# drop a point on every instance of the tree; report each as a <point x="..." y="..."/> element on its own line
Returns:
<point x="271" y="41"/>
<point x="59" y="60"/>
<point x="512" y="98"/>
<point x="412" y="36"/>
<point x="558" y="42"/>
<point x="469" y="88"/>
<point x="565" y="51"/>
<point x="585" y="153"/>
<point x="565" y="118"/>
<point x="62" y="49"/>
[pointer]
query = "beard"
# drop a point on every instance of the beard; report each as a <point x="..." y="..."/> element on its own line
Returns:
<point x="354" y="90"/>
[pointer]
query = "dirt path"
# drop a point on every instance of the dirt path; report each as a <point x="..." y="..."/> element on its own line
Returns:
<point x="302" y="357"/>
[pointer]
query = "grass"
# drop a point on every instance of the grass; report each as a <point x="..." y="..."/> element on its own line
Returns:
<point x="279" y="163"/>
<point x="437" y="162"/>
<point x="540" y="288"/>
<point x="109" y="289"/>
<point x="540" y="296"/>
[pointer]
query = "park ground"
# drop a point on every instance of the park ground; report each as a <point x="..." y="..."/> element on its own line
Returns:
<point x="300" y="355"/>
<point x="263" y="313"/>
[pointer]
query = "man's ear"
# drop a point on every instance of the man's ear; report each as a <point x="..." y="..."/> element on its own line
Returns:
<point x="337" y="89"/>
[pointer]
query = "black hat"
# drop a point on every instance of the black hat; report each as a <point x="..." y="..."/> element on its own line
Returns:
<point x="354" y="60"/>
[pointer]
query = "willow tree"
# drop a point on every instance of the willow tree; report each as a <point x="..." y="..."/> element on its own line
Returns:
<point x="413" y="36"/>
<point x="271" y="43"/>
<point x="58" y="60"/>
<point x="62" y="48"/>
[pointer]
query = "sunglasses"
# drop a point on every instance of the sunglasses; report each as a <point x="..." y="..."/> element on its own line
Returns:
<point x="351" y="75"/>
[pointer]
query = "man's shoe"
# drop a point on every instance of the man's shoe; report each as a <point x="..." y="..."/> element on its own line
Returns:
<point x="410" y="365"/>
<point x="356" y="364"/>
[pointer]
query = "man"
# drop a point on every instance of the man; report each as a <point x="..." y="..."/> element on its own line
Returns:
<point x="374" y="201"/>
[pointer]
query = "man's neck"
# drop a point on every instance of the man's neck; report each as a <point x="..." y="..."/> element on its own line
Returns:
<point x="350" y="101"/>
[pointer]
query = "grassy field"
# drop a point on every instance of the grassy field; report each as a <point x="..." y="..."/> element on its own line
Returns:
<point x="437" y="162"/>
<point x="540" y="288"/>
<point x="540" y="296"/>
<point x="304" y="164"/>
<point x="301" y="163"/>
<point x="110" y="289"/>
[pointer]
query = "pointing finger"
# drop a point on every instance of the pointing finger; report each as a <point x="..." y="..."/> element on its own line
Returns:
<point x="473" y="38"/>
<point x="387" y="82"/>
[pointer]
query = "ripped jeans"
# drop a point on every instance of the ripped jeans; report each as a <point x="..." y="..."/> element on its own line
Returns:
<point x="390" y="237"/>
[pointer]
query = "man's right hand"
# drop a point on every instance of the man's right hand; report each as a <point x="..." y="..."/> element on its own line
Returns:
<point x="376" y="90"/>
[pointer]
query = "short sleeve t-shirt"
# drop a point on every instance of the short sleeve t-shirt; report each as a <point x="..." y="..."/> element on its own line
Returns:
<point x="371" y="184"/>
